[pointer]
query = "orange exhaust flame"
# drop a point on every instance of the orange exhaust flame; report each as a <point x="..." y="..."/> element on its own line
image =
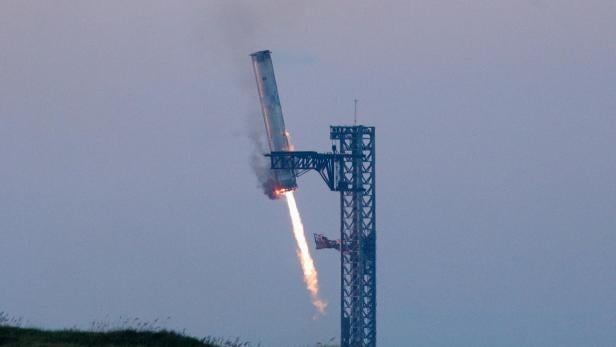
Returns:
<point x="303" y="253"/>
<point x="280" y="192"/>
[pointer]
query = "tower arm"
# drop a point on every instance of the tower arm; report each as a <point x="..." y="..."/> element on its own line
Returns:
<point x="301" y="161"/>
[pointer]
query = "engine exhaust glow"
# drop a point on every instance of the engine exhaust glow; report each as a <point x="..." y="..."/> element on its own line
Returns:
<point x="303" y="253"/>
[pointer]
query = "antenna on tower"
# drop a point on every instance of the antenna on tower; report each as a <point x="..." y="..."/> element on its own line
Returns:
<point x="355" y="113"/>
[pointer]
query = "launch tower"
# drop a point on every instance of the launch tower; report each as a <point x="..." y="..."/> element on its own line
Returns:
<point x="350" y="170"/>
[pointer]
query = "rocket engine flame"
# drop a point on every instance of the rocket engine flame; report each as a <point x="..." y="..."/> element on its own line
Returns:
<point x="303" y="253"/>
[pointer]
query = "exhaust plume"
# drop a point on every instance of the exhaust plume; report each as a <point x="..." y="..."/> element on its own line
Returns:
<point x="303" y="253"/>
<point x="260" y="165"/>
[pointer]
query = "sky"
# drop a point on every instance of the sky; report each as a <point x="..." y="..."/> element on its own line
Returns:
<point x="126" y="188"/>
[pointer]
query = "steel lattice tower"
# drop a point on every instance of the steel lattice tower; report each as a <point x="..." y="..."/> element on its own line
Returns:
<point x="351" y="171"/>
<point x="357" y="234"/>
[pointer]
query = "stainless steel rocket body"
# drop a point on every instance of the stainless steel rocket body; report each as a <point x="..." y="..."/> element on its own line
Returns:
<point x="277" y="135"/>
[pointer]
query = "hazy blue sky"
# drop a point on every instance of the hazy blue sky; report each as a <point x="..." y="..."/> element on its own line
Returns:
<point x="126" y="188"/>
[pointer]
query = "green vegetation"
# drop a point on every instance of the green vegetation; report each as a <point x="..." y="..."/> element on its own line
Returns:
<point x="15" y="336"/>
<point x="127" y="332"/>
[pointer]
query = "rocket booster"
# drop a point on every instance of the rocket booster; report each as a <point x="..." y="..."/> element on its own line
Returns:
<point x="277" y="135"/>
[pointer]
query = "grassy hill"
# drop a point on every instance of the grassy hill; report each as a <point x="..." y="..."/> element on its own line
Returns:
<point x="22" y="337"/>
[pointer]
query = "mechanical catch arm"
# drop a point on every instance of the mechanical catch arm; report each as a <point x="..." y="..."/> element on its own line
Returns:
<point x="300" y="162"/>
